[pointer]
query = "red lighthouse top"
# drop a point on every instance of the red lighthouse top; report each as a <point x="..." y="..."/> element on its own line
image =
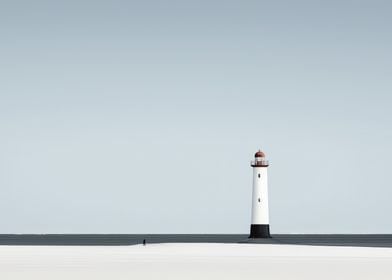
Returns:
<point x="260" y="160"/>
<point x="259" y="154"/>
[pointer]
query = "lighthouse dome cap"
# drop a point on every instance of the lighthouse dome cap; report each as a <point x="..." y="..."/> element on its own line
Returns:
<point x="259" y="154"/>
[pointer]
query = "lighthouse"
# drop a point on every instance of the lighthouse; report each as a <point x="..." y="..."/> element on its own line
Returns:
<point x="260" y="217"/>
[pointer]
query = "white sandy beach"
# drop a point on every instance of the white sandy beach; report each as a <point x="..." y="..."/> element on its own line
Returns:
<point x="194" y="261"/>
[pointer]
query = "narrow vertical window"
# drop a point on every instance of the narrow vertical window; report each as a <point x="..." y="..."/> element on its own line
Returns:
<point x="258" y="175"/>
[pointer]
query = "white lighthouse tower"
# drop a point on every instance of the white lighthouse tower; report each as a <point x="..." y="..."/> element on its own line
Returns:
<point x="260" y="217"/>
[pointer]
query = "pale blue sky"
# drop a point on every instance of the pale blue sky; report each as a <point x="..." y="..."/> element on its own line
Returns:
<point x="142" y="117"/>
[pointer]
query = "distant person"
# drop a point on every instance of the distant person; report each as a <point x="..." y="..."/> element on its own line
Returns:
<point x="144" y="242"/>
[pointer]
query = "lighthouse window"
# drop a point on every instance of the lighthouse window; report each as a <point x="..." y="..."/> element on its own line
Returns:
<point x="259" y="175"/>
<point x="259" y="199"/>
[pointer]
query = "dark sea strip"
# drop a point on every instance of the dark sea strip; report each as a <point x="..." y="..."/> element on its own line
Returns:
<point x="358" y="240"/>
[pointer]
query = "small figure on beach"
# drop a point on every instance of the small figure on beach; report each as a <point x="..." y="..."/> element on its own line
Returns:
<point x="144" y="242"/>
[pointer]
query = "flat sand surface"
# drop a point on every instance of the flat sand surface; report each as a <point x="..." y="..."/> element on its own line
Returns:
<point x="195" y="261"/>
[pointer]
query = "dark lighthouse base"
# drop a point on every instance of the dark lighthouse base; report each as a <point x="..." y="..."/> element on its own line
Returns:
<point x="259" y="231"/>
